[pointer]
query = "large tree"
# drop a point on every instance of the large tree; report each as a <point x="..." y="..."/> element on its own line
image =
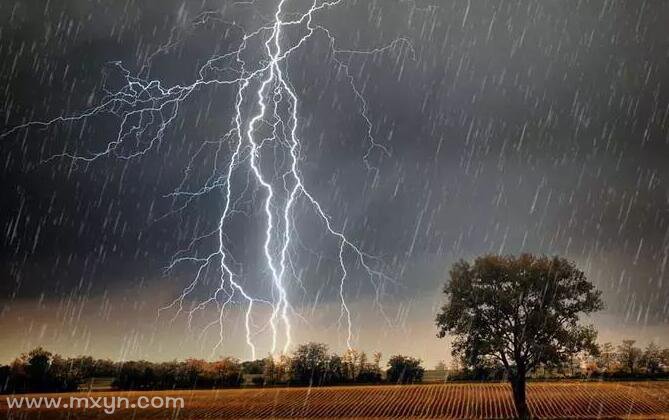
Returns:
<point x="518" y="311"/>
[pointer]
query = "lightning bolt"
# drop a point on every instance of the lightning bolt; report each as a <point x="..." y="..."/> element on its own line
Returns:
<point x="264" y="98"/>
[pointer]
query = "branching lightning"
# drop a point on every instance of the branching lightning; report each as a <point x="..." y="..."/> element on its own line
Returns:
<point x="264" y="98"/>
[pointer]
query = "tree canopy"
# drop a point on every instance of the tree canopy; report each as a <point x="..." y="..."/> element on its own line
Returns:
<point x="519" y="312"/>
<point x="404" y="370"/>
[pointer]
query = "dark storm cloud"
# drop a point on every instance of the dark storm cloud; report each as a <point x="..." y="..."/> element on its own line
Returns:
<point x="517" y="126"/>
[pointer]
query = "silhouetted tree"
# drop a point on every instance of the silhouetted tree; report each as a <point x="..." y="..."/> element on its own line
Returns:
<point x="404" y="370"/>
<point x="335" y="372"/>
<point x="309" y="364"/>
<point x="370" y="372"/>
<point x="351" y="364"/>
<point x="38" y="362"/>
<point x="134" y="375"/>
<point x="519" y="311"/>
<point x="18" y="378"/>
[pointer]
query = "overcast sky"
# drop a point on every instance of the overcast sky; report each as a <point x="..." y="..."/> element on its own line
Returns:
<point x="510" y="127"/>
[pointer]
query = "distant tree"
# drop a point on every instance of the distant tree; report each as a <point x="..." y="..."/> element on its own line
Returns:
<point x="629" y="356"/>
<point x="269" y="371"/>
<point x="135" y="375"/>
<point x="309" y="364"/>
<point x="664" y="356"/>
<point x="350" y="364"/>
<point x="363" y="365"/>
<point x="167" y="375"/>
<point x="442" y="370"/>
<point x="591" y="366"/>
<point x="253" y="367"/>
<point x="275" y="370"/>
<point x="651" y="359"/>
<point x="335" y="372"/>
<point x="103" y="368"/>
<point x="91" y="368"/>
<point x="369" y="372"/>
<point x="519" y="311"/>
<point x="226" y="372"/>
<point x="191" y="371"/>
<point x="376" y="359"/>
<point x="404" y="370"/>
<point x="38" y="362"/>
<point x="85" y="365"/>
<point x="573" y="365"/>
<point x="64" y="375"/>
<point x="607" y="356"/>
<point x="18" y="377"/>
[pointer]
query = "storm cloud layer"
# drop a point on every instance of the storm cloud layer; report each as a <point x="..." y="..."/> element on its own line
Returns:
<point x="511" y="127"/>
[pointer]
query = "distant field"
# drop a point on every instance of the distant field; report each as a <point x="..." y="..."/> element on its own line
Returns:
<point x="567" y="400"/>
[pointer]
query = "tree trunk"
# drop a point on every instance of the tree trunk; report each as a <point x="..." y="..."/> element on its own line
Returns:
<point x="518" y="388"/>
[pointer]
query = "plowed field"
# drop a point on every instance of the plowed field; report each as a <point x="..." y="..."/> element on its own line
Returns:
<point x="569" y="400"/>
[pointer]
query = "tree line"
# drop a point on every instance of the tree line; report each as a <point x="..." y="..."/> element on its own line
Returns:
<point x="310" y="364"/>
<point x="624" y="361"/>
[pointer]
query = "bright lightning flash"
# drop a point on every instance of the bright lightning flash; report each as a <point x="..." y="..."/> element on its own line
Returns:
<point x="264" y="98"/>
